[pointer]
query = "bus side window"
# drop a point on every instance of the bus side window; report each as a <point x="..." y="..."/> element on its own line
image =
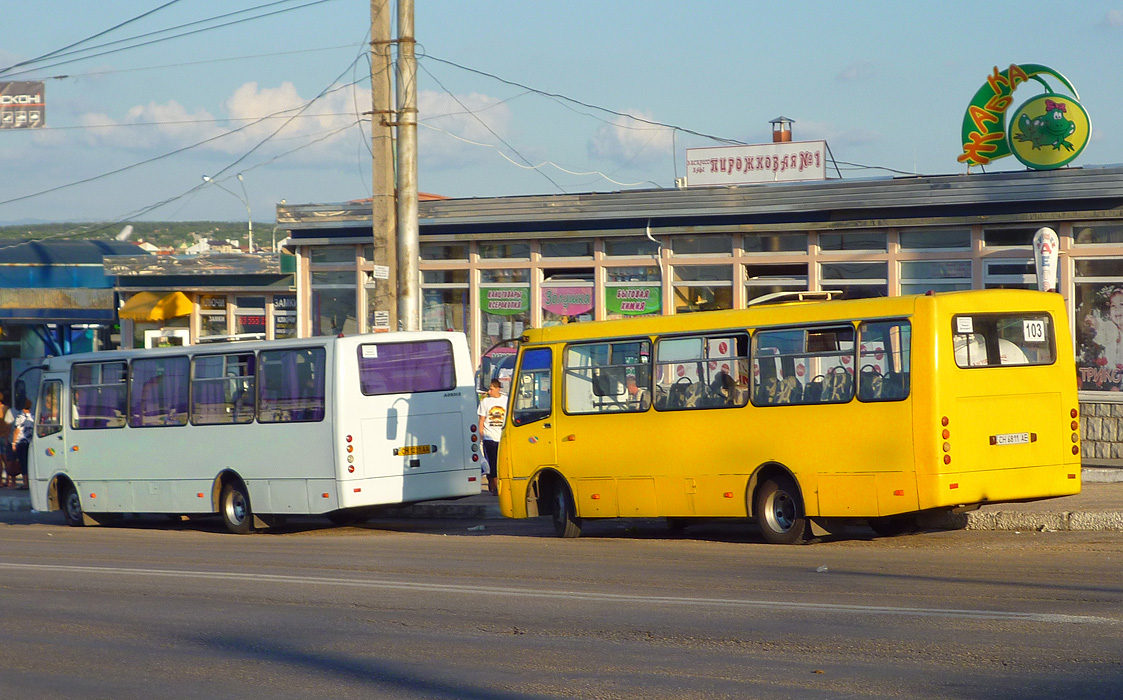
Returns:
<point x="531" y="395"/>
<point x="48" y="422"/>
<point x="883" y="360"/>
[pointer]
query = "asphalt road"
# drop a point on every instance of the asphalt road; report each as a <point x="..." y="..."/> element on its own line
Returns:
<point x="425" y="609"/>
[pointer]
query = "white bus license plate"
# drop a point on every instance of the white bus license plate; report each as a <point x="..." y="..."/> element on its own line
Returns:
<point x="1012" y="439"/>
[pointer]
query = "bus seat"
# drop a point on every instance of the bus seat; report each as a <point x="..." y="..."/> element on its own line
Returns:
<point x="813" y="392"/>
<point x="676" y="397"/>
<point x="838" y="386"/>
<point x="660" y="397"/>
<point x="790" y="391"/>
<point x="871" y="385"/>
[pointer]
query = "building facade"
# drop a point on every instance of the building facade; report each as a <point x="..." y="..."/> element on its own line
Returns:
<point x="493" y="266"/>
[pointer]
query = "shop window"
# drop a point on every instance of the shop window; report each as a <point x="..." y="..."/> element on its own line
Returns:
<point x="444" y="251"/>
<point x="702" y="245"/>
<point x="854" y="240"/>
<point x="632" y="274"/>
<point x="1098" y="324"/>
<point x="444" y="309"/>
<point x="703" y="288"/>
<point x="1011" y="236"/>
<point x="249" y="316"/>
<point x="770" y="279"/>
<point x="856" y="280"/>
<point x="444" y="277"/>
<point x="630" y="247"/>
<point x="284" y="316"/>
<point x="775" y="243"/>
<point x="935" y="239"/>
<point x="566" y="249"/>
<point x="918" y="277"/>
<point x="1009" y="274"/>
<point x="332" y="255"/>
<point x="506" y="276"/>
<point x="334" y="306"/>
<point x="212" y="315"/>
<point x="504" y="313"/>
<point x="566" y="304"/>
<point x="510" y="251"/>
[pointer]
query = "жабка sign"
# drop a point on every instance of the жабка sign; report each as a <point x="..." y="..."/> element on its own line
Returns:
<point x="1048" y="131"/>
<point x="747" y="165"/>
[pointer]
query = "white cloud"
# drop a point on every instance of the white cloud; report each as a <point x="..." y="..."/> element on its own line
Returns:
<point x="857" y="71"/>
<point x="170" y="125"/>
<point x="806" y="130"/>
<point x="1113" y="18"/>
<point x="629" y="142"/>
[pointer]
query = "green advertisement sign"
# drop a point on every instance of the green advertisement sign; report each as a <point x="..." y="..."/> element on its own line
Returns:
<point x="633" y="301"/>
<point x="1035" y="135"/>
<point x="505" y="301"/>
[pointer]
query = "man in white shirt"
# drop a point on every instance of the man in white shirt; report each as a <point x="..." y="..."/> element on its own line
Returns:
<point x="492" y="413"/>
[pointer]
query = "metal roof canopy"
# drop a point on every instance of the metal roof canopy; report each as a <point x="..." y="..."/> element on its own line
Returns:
<point x="834" y="202"/>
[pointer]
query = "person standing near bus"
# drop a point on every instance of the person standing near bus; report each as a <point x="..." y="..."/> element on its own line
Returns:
<point x="7" y="456"/>
<point x="21" y="441"/>
<point x="492" y="413"/>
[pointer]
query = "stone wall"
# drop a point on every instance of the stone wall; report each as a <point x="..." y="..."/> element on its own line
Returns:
<point x="1101" y="433"/>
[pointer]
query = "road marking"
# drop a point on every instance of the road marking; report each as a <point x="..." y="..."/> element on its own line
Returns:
<point x="414" y="586"/>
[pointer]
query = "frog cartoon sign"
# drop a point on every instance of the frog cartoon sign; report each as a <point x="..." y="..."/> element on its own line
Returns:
<point x="1046" y="132"/>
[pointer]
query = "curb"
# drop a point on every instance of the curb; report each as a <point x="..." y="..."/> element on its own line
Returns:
<point x="1074" y="521"/>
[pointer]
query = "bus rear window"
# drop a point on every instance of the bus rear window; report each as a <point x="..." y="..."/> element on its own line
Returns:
<point x="406" y="368"/>
<point x="1008" y="340"/>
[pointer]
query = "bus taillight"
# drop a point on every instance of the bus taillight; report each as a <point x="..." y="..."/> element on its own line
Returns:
<point x="348" y="438"/>
<point x="1073" y="413"/>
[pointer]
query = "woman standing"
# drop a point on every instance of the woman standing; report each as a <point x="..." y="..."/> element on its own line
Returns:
<point x="21" y="443"/>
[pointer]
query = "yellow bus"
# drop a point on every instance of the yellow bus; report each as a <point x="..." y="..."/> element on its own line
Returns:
<point x="802" y="414"/>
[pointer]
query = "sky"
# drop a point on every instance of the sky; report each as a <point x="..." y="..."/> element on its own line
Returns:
<point x="515" y="97"/>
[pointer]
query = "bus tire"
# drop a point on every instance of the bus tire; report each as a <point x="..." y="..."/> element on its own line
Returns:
<point x="234" y="507"/>
<point x="893" y="525"/>
<point x="71" y="505"/>
<point x="563" y="513"/>
<point x="779" y="511"/>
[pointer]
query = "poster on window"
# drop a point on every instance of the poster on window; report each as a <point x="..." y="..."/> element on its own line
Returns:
<point x="1099" y="336"/>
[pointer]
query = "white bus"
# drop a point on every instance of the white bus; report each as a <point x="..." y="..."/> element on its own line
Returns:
<point x="259" y="430"/>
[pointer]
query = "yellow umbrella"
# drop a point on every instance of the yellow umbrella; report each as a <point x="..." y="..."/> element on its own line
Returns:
<point x="152" y="306"/>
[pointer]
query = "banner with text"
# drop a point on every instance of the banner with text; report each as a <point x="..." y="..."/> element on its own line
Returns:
<point x="747" y="165"/>
<point x="633" y="301"/>
<point x="22" y="105"/>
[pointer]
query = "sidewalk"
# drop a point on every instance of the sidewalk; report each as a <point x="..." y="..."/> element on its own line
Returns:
<point x="1098" y="507"/>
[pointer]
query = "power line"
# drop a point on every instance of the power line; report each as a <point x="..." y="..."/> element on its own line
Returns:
<point x="184" y="64"/>
<point x="89" y="38"/>
<point x="178" y="36"/>
<point x="482" y="122"/>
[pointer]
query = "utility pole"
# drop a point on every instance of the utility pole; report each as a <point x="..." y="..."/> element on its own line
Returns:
<point x="384" y="220"/>
<point x="409" y="283"/>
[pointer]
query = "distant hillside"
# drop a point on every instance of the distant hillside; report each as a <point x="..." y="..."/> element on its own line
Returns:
<point x="161" y="233"/>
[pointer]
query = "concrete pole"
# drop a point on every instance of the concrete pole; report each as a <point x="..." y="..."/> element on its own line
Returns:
<point x="384" y="220"/>
<point x="409" y="282"/>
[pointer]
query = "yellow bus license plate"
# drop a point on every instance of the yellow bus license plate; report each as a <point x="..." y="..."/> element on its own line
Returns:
<point x="413" y="450"/>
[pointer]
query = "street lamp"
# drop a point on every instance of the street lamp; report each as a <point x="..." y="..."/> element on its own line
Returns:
<point x="244" y="199"/>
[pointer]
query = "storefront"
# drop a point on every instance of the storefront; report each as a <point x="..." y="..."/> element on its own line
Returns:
<point x="491" y="267"/>
<point x="188" y="299"/>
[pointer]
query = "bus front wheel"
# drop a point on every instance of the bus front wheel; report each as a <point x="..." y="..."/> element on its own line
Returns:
<point x="779" y="511"/>
<point x="564" y="514"/>
<point x="72" y="506"/>
<point x="235" y="509"/>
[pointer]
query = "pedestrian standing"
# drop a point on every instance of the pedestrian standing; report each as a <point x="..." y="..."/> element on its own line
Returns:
<point x="7" y="456"/>
<point x="492" y="413"/>
<point x="21" y="441"/>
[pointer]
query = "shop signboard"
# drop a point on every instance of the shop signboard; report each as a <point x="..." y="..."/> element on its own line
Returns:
<point x="1046" y="132"/>
<point x="505" y="301"/>
<point x="633" y="301"/>
<point x="22" y="105"/>
<point x="754" y="164"/>
<point x="1045" y="249"/>
<point x="567" y="301"/>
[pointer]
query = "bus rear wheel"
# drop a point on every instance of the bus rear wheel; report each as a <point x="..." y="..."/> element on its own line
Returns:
<point x="779" y="511"/>
<point x="71" y="506"/>
<point x="234" y="506"/>
<point x="564" y="514"/>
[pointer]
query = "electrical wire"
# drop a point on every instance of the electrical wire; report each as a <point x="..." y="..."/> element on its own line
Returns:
<point x="482" y="122"/>
<point x="56" y="52"/>
<point x="176" y="36"/>
<point x="185" y="64"/>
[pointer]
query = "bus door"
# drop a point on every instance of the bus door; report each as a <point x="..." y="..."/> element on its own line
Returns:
<point x="528" y="438"/>
<point x="48" y="446"/>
